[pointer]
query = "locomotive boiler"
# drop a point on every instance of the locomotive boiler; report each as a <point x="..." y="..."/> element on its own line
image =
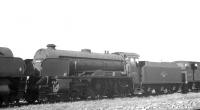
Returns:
<point x="12" y="79"/>
<point x="79" y="75"/>
<point x="84" y="61"/>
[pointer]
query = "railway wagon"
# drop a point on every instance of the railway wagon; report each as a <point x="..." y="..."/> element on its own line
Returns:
<point x="65" y="75"/>
<point x="192" y="71"/>
<point x="159" y="77"/>
<point x="12" y="79"/>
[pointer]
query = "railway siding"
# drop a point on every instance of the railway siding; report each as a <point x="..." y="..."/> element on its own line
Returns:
<point x="175" y="101"/>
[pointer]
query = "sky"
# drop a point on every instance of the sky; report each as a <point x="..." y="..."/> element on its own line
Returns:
<point x="158" y="30"/>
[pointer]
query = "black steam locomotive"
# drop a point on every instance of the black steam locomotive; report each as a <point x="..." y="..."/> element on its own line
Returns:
<point x="12" y="78"/>
<point x="65" y="75"/>
<point x="61" y="75"/>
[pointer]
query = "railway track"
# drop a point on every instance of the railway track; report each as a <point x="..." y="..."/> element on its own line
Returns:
<point x="23" y="103"/>
<point x="174" y="101"/>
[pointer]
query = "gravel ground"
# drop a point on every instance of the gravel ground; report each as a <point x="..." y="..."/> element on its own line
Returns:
<point x="165" y="102"/>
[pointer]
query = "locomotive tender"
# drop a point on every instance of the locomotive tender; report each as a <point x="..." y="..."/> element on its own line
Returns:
<point x="61" y="75"/>
<point x="160" y="77"/>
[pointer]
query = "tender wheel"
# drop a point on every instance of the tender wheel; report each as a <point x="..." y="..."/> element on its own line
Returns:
<point x="110" y="93"/>
<point x="91" y="94"/>
<point x="74" y="95"/>
<point x="184" y="88"/>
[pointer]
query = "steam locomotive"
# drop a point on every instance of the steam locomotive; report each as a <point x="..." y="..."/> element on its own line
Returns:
<point x="69" y="75"/>
<point x="12" y="78"/>
<point x="62" y="75"/>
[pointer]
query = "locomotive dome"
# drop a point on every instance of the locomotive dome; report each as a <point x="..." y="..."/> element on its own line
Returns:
<point x="5" y="52"/>
<point x="52" y="52"/>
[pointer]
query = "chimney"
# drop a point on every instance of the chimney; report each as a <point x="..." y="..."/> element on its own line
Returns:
<point x="51" y="46"/>
<point x="106" y="52"/>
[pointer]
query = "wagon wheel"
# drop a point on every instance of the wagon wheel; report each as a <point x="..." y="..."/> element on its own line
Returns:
<point x="162" y="89"/>
<point x="145" y="91"/>
<point x="73" y="95"/>
<point x="6" y="101"/>
<point x="84" y="90"/>
<point x="158" y="90"/>
<point x="198" y="87"/>
<point x="17" y="102"/>
<point x="184" y="88"/>
<point x="109" y="93"/>
<point x="66" y="96"/>
<point x="170" y="89"/>
<point x="174" y="89"/>
<point x="84" y="94"/>
<point x="31" y="96"/>
<point x="91" y="93"/>
<point x="99" y="88"/>
<point x="153" y="91"/>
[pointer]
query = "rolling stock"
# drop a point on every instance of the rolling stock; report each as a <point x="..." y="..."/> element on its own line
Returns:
<point x="160" y="77"/>
<point x="12" y="79"/>
<point x="80" y="75"/>
<point x="63" y="75"/>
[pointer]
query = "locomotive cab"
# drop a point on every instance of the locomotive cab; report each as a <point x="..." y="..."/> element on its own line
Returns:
<point x="131" y="62"/>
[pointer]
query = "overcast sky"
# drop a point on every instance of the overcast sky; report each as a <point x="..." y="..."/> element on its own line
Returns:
<point x="157" y="30"/>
